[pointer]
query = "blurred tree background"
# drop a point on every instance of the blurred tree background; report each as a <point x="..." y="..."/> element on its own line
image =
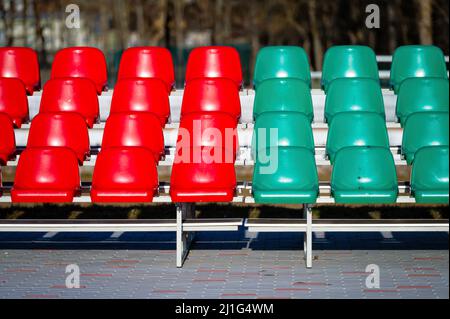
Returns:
<point x="180" y="25"/>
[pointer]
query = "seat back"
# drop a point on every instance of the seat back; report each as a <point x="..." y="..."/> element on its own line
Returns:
<point x="282" y="130"/>
<point x="137" y="129"/>
<point x="14" y="101"/>
<point x="141" y="95"/>
<point x="64" y="129"/>
<point x="422" y="95"/>
<point x="282" y="62"/>
<point x="353" y="95"/>
<point x="356" y="129"/>
<point x="293" y="180"/>
<point x="124" y="175"/>
<point x="283" y="95"/>
<point x="7" y="139"/>
<point x="430" y="175"/>
<point x="148" y="63"/>
<point x="364" y="175"/>
<point x="21" y="63"/>
<point x="81" y="62"/>
<point x="211" y="131"/>
<point x="202" y="180"/>
<point x="215" y="62"/>
<point x="422" y="130"/>
<point x="417" y="61"/>
<point x="349" y="61"/>
<point x="211" y="96"/>
<point x="46" y="175"/>
<point x="78" y="95"/>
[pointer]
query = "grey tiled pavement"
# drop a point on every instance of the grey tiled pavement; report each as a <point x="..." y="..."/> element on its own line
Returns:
<point x="224" y="265"/>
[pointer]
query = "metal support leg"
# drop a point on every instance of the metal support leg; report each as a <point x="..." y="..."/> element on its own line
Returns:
<point x="307" y="211"/>
<point x="184" y="239"/>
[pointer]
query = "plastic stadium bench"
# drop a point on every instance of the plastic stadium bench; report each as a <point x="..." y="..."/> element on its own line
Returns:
<point x="46" y="175"/>
<point x="204" y="170"/>
<point x="7" y="139"/>
<point x="280" y="62"/>
<point x="416" y="61"/>
<point x="22" y="64"/>
<point x="81" y="62"/>
<point x="422" y="95"/>
<point x="215" y="62"/>
<point x="283" y="95"/>
<point x="148" y="63"/>
<point x="422" y="130"/>
<point x="200" y="125"/>
<point x="126" y="174"/>
<point x="356" y="129"/>
<point x="77" y="95"/>
<point x="211" y="96"/>
<point x="363" y="166"/>
<point x="353" y="95"/>
<point x="364" y="175"/>
<point x="295" y="180"/>
<point x="349" y="61"/>
<point x="13" y="100"/>
<point x="137" y="129"/>
<point x="141" y="95"/>
<point x="429" y="178"/>
<point x="62" y="129"/>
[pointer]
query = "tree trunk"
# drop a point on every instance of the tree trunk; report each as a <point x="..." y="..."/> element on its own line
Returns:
<point x="317" y="43"/>
<point x="425" y="23"/>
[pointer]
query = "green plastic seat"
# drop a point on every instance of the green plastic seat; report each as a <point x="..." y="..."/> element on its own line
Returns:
<point x="294" y="180"/>
<point x="282" y="62"/>
<point x="417" y="61"/>
<point x="350" y="95"/>
<point x="422" y="95"/>
<point x="293" y="130"/>
<point x="429" y="178"/>
<point x="422" y="130"/>
<point x="356" y="129"/>
<point x="364" y="175"/>
<point x="284" y="95"/>
<point x="349" y="61"/>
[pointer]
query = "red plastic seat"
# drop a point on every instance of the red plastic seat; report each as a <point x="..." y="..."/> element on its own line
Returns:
<point x="71" y="95"/>
<point x="21" y="63"/>
<point x="7" y="139"/>
<point x="211" y="131"/>
<point x="141" y="95"/>
<point x="14" y="101"/>
<point x="1" y="185"/>
<point x="148" y="62"/>
<point x="46" y="175"/>
<point x="81" y="62"/>
<point x="211" y="95"/>
<point x="124" y="175"/>
<point x="202" y="182"/>
<point x="134" y="130"/>
<point x="215" y="62"/>
<point x="62" y="129"/>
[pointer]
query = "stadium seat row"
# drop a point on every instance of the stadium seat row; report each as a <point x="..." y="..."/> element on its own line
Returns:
<point x="133" y="140"/>
<point x="283" y="145"/>
<point x="207" y="143"/>
<point x="357" y="144"/>
<point x="350" y="61"/>
<point x="133" y="143"/>
<point x="58" y="141"/>
<point x="148" y="62"/>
